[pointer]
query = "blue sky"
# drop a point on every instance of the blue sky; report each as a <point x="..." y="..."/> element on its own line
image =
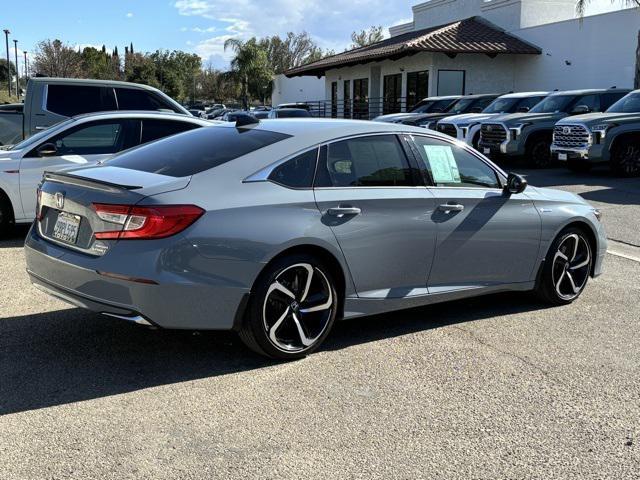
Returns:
<point x="201" y="26"/>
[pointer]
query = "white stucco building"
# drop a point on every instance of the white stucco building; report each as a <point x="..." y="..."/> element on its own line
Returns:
<point x="479" y="46"/>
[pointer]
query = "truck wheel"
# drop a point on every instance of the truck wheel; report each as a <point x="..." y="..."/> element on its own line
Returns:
<point x="578" y="166"/>
<point x="538" y="153"/>
<point x="6" y="215"/>
<point x="625" y="158"/>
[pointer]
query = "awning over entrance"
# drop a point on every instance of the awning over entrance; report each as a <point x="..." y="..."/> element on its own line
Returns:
<point x="472" y="35"/>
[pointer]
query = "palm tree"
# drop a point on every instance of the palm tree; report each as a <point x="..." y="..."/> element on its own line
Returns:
<point x="250" y="61"/>
<point x="581" y="5"/>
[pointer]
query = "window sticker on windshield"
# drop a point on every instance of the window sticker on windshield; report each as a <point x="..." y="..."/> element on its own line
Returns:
<point x="444" y="168"/>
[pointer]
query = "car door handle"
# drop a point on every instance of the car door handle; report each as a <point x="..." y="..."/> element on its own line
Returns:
<point x="343" y="210"/>
<point x="451" y="207"/>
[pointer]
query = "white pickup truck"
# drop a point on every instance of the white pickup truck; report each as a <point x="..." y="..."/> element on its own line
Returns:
<point x="51" y="100"/>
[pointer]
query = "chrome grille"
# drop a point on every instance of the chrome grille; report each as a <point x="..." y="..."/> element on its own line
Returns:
<point x="570" y="136"/>
<point x="492" y="134"/>
<point x="447" y="129"/>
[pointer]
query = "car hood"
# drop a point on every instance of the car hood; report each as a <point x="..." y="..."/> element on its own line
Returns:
<point x="394" y="117"/>
<point x="9" y="155"/>
<point x="466" y="118"/>
<point x="516" y="118"/>
<point x="553" y="195"/>
<point x="591" y="119"/>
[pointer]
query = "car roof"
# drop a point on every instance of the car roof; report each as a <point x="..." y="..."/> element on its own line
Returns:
<point x="442" y="97"/>
<point x="591" y="90"/>
<point x="482" y="95"/>
<point x="116" y="114"/>
<point x="84" y="81"/>
<point x="524" y="94"/>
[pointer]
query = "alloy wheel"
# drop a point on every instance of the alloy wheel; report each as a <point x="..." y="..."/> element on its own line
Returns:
<point x="541" y="155"/>
<point x="571" y="266"/>
<point x="629" y="160"/>
<point x="297" y="308"/>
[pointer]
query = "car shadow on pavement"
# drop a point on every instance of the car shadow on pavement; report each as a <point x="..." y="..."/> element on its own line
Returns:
<point x="15" y="237"/>
<point x="66" y="356"/>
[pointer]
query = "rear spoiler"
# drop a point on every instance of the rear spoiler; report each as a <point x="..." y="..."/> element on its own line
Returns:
<point x="70" y="179"/>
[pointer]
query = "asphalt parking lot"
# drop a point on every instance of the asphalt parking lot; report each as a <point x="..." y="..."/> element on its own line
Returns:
<point x="494" y="387"/>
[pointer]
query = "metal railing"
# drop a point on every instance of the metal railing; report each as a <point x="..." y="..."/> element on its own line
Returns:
<point x="366" y="109"/>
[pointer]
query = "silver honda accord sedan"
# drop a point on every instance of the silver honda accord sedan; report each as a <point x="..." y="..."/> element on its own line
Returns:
<point x="278" y="228"/>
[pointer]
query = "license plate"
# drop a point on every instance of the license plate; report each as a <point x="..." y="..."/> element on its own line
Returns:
<point x="486" y="151"/>
<point x="66" y="227"/>
<point x="562" y="156"/>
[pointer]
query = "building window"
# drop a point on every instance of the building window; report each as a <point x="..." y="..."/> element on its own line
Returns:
<point x="392" y="93"/>
<point x="334" y="99"/>
<point x="417" y="87"/>
<point x="361" y="98"/>
<point x="347" y="99"/>
<point x="451" y="82"/>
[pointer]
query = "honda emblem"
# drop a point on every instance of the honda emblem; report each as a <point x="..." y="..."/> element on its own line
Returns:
<point x="59" y="196"/>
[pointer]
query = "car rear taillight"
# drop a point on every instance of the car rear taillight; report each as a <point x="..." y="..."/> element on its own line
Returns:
<point x="38" y="204"/>
<point x="138" y="222"/>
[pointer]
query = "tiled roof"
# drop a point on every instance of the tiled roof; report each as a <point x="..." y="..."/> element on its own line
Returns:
<point x="472" y="35"/>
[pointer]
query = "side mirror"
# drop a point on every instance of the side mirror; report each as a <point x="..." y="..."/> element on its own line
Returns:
<point x="523" y="109"/>
<point x="47" y="150"/>
<point x="515" y="184"/>
<point x="580" y="109"/>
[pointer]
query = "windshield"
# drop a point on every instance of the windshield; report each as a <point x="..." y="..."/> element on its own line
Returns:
<point x="461" y="106"/>
<point x="41" y="135"/>
<point x="627" y="104"/>
<point x="554" y="103"/>
<point x="502" y="105"/>
<point x="431" y="106"/>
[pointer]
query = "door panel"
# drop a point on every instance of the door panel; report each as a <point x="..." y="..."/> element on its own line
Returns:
<point x="366" y="192"/>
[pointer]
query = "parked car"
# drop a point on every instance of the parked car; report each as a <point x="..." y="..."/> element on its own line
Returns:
<point x="279" y="229"/>
<point x="426" y="105"/>
<point x="466" y="127"/>
<point x="613" y="136"/>
<point x="52" y="100"/>
<point x="289" y="113"/>
<point x="299" y="105"/>
<point x="467" y="104"/>
<point x="530" y="134"/>
<point x="219" y="114"/>
<point x="198" y="113"/>
<point x="236" y="115"/>
<point x="261" y="114"/>
<point x="85" y="139"/>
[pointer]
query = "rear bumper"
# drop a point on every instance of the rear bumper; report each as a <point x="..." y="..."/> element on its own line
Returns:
<point x="178" y="300"/>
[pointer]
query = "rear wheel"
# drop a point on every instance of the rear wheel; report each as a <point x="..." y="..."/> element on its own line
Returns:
<point x="538" y="152"/>
<point x="566" y="268"/>
<point x="292" y="309"/>
<point x="6" y="215"/>
<point x="625" y="158"/>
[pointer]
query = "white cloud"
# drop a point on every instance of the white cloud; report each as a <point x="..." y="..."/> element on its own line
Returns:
<point x="129" y="15"/>
<point x="329" y="22"/>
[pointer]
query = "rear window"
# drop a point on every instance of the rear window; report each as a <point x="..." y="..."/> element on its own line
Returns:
<point x="70" y="100"/>
<point x="134" y="99"/>
<point x="196" y="151"/>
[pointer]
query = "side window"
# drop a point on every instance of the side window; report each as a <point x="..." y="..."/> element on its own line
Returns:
<point x="297" y="172"/>
<point x="372" y="161"/>
<point x="134" y="99"/>
<point x="451" y="166"/>
<point x="94" y="139"/>
<point x="608" y="99"/>
<point x="71" y="100"/>
<point x="590" y="101"/>
<point x="155" y="129"/>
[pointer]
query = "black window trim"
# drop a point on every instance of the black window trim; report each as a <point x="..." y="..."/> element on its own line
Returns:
<point x="500" y="175"/>
<point x="415" y="176"/>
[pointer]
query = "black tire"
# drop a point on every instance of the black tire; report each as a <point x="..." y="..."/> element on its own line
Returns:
<point x="579" y="166"/>
<point x="538" y="152"/>
<point x="270" y="326"/>
<point x="563" y="280"/>
<point x="625" y="158"/>
<point x="6" y="216"/>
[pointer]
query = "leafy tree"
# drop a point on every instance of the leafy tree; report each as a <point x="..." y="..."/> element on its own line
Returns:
<point x="97" y="64"/>
<point x="364" y="38"/>
<point x="56" y="59"/>
<point x="3" y="72"/>
<point x="251" y="67"/>
<point x="292" y="51"/>
<point x="581" y="6"/>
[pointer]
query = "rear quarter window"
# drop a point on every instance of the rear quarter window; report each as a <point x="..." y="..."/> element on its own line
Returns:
<point x="196" y="151"/>
<point x="134" y="99"/>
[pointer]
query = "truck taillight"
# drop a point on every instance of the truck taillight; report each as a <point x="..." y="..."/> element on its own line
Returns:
<point x="139" y="222"/>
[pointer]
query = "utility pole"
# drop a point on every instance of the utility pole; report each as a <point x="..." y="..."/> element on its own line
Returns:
<point x="26" y="68"/>
<point x="15" y="47"/>
<point x="6" y="36"/>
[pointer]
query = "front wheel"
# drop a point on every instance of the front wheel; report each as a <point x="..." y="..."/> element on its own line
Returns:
<point x="566" y="268"/>
<point x="6" y="216"/>
<point x="538" y="153"/>
<point x="625" y="158"/>
<point x="292" y="309"/>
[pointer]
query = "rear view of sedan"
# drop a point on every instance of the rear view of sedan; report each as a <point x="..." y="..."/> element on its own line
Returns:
<point x="278" y="228"/>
